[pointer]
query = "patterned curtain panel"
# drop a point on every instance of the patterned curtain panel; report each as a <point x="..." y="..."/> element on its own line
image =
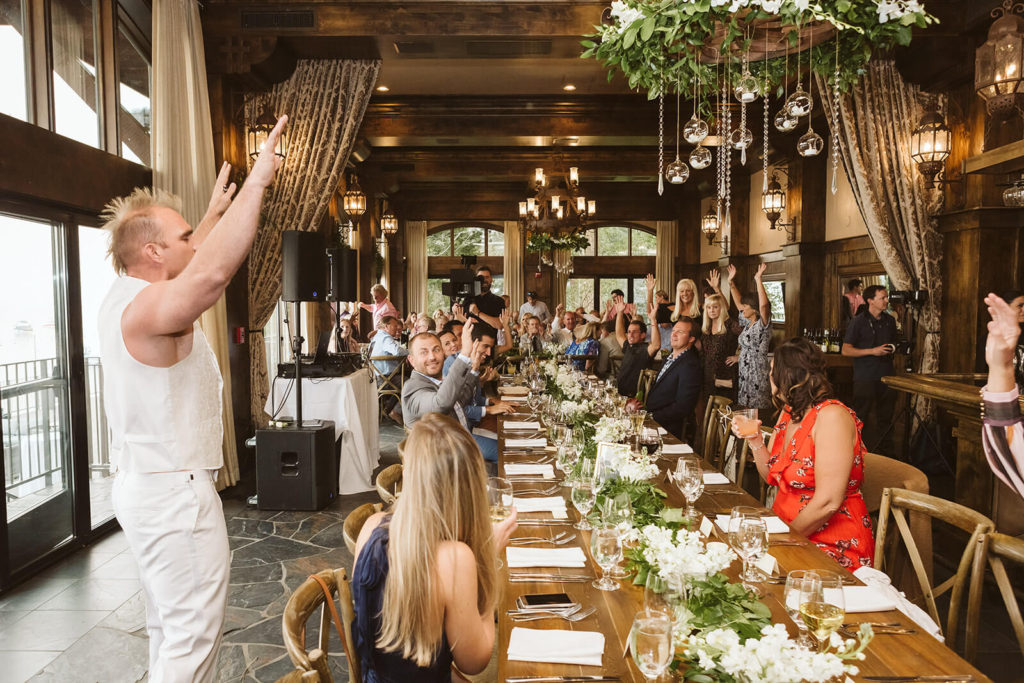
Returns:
<point x="875" y="124"/>
<point x="325" y="102"/>
<point x="416" y="275"/>
<point x="515" y="285"/>
<point x="664" y="263"/>
<point x="184" y="164"/>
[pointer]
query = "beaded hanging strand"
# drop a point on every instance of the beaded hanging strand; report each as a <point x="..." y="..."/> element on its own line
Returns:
<point x="719" y="158"/>
<point x="728" y="152"/>
<point x="661" y="143"/>
<point x="764" y="149"/>
<point x="835" y="122"/>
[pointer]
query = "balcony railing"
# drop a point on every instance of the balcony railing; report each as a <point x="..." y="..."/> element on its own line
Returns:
<point x="35" y="424"/>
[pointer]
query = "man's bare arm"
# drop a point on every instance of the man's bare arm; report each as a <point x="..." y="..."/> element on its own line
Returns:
<point x="172" y="306"/>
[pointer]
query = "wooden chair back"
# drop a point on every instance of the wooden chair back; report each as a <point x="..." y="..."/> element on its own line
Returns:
<point x="645" y="381"/>
<point x="994" y="548"/>
<point x="898" y="503"/>
<point x="401" y="449"/>
<point x="767" y="493"/>
<point x="711" y="426"/>
<point x="389" y="483"/>
<point x="388" y="384"/>
<point x="300" y="607"/>
<point x="299" y="676"/>
<point x="354" y="523"/>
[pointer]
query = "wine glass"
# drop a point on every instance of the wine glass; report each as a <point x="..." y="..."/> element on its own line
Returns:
<point x="801" y="584"/>
<point x="582" y="496"/>
<point x="533" y="402"/>
<point x="689" y="477"/>
<point x="651" y="642"/>
<point x="617" y="511"/>
<point x="736" y="517"/>
<point x="557" y="433"/>
<point x="636" y="419"/>
<point x="652" y="441"/>
<point x="606" y="547"/>
<point x="751" y="539"/>
<point x="656" y="594"/>
<point x="823" y="610"/>
<point x="500" y="501"/>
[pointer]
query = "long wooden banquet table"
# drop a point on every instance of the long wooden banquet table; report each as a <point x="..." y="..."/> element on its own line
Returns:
<point x="914" y="654"/>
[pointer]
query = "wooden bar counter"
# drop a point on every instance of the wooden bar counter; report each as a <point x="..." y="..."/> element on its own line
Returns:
<point x="887" y="655"/>
<point x="957" y="397"/>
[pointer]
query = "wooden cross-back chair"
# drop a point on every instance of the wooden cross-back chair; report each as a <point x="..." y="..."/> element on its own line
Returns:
<point x="713" y="428"/>
<point x="995" y="548"/>
<point x="300" y="607"/>
<point x="897" y="503"/>
<point x="354" y="523"/>
<point x="645" y="381"/>
<point x="391" y="383"/>
<point x="389" y="483"/>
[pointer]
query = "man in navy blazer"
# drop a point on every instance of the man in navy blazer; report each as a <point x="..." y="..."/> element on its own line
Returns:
<point x="673" y="395"/>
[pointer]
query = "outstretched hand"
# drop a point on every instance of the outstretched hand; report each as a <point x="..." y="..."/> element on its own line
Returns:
<point x="714" y="279"/>
<point x="268" y="162"/>
<point x="732" y="272"/>
<point x="223" y="192"/>
<point x="467" y="333"/>
<point x="761" y="267"/>
<point x="650" y="283"/>
<point x="1003" y="333"/>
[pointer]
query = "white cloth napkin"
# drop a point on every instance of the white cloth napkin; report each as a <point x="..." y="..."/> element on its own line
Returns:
<point x="545" y="557"/>
<point x="716" y="478"/>
<point x="524" y="470"/>
<point x="662" y="431"/>
<point x="556" y="646"/>
<point x="774" y="524"/>
<point x="526" y="443"/>
<point x="553" y="504"/>
<point x="676" y="448"/>
<point x="514" y="391"/>
<point x="480" y="431"/>
<point x="513" y="399"/>
<point x="881" y="580"/>
<point x="522" y="425"/>
<point x="867" y="599"/>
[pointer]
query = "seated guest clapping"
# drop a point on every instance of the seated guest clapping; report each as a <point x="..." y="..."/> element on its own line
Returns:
<point x="425" y="585"/>
<point x="815" y="457"/>
<point x="426" y="392"/>
<point x="1003" y="431"/>
<point x="673" y="394"/>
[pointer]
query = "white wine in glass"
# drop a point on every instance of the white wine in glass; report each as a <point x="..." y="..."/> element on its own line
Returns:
<point x="823" y="611"/>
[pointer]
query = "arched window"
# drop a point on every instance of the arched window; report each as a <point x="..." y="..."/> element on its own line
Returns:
<point x="447" y="244"/>
<point x="619" y="257"/>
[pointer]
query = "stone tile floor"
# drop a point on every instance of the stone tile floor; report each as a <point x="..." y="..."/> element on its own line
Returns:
<point x="84" y="619"/>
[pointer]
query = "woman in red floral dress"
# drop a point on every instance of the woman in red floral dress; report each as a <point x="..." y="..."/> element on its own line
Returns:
<point x="816" y="458"/>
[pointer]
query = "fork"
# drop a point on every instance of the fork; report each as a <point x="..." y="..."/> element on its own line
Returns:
<point x="562" y="538"/>
<point x="542" y="492"/>
<point x="579" y="615"/>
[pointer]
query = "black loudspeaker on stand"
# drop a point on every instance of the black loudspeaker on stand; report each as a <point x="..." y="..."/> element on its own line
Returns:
<point x="303" y="266"/>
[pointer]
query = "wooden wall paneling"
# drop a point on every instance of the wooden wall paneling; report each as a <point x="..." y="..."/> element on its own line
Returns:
<point x="844" y="259"/>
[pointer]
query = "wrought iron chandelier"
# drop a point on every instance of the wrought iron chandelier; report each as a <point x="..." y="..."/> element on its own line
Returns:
<point x="556" y="208"/>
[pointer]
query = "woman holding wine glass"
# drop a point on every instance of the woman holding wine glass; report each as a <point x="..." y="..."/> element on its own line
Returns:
<point x="425" y="585"/>
<point x="815" y="457"/>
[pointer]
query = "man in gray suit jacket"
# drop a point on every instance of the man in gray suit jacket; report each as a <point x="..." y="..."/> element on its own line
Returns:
<point x="426" y="392"/>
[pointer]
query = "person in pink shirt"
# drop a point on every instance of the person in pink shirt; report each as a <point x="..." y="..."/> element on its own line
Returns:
<point x="380" y="307"/>
<point x="854" y="297"/>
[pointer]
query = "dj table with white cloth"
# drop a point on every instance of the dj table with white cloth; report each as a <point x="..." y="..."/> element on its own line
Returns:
<point x="351" y="403"/>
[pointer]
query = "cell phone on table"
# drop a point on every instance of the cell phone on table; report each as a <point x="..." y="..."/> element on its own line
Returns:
<point x="544" y="601"/>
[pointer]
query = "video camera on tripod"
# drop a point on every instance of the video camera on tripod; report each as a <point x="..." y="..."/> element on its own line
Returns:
<point x="463" y="283"/>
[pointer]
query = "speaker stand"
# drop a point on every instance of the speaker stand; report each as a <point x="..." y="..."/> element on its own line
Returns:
<point x="297" y="357"/>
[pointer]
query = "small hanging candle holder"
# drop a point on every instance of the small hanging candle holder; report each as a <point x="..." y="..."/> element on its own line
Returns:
<point x="700" y="157"/>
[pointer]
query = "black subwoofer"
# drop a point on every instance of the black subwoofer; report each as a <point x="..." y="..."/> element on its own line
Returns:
<point x="296" y="467"/>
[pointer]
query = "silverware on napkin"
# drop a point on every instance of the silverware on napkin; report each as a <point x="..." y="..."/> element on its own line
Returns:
<point x="953" y="678"/>
<point x="559" y="679"/>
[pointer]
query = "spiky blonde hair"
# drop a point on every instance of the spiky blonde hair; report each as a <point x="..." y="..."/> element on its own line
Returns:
<point x="131" y="224"/>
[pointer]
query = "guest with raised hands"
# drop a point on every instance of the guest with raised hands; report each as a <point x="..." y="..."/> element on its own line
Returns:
<point x="1003" y="425"/>
<point x="425" y="583"/>
<point x="719" y="341"/>
<point x="754" y="340"/>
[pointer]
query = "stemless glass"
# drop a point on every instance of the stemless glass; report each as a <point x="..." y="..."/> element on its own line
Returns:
<point x="752" y="538"/>
<point x="499" y="498"/>
<point x="744" y="422"/>
<point x="689" y="477"/>
<point x="823" y="611"/>
<point x="651" y="641"/>
<point x="582" y="496"/>
<point x="606" y="547"/>
<point x="801" y="586"/>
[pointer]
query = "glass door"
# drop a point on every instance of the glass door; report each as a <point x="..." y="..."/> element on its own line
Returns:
<point x="34" y="390"/>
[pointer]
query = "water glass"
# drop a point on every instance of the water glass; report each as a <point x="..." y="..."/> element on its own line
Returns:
<point x="751" y="540"/>
<point x="533" y="402"/>
<point x="500" y="500"/>
<point x="656" y="591"/>
<point x="582" y="497"/>
<point x="606" y="547"/>
<point x="617" y="511"/>
<point x="744" y="422"/>
<point x="801" y="586"/>
<point x="689" y="477"/>
<point x="823" y="610"/>
<point x="651" y="642"/>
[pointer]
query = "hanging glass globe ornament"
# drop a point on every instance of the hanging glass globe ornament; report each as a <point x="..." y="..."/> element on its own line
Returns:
<point x="747" y="88"/>
<point x="810" y="144"/>
<point x="784" y="123"/>
<point x="799" y="103"/>
<point x="741" y="138"/>
<point x="700" y="157"/>
<point x="695" y="130"/>
<point x="677" y="172"/>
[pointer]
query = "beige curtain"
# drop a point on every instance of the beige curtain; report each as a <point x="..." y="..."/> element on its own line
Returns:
<point x="876" y="120"/>
<point x="416" y="272"/>
<point x="325" y="101"/>
<point x="515" y="285"/>
<point x="184" y="163"/>
<point x="667" y="233"/>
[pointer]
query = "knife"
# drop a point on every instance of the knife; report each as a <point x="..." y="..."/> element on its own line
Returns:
<point x="964" y="678"/>
<point x="558" y="679"/>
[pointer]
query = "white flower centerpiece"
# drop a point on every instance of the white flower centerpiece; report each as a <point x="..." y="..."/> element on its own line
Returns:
<point x="680" y="557"/>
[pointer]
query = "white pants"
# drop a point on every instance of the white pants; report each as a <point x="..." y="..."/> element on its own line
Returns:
<point x="174" y="524"/>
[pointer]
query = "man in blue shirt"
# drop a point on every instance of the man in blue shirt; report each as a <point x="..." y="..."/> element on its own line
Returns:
<point x="870" y="340"/>
<point x="385" y="343"/>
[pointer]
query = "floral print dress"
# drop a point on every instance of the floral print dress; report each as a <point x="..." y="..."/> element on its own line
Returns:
<point x="585" y="347"/>
<point x="846" y="537"/>
<point x="755" y="390"/>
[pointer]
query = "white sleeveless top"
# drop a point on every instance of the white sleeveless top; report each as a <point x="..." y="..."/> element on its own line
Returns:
<point x="161" y="419"/>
